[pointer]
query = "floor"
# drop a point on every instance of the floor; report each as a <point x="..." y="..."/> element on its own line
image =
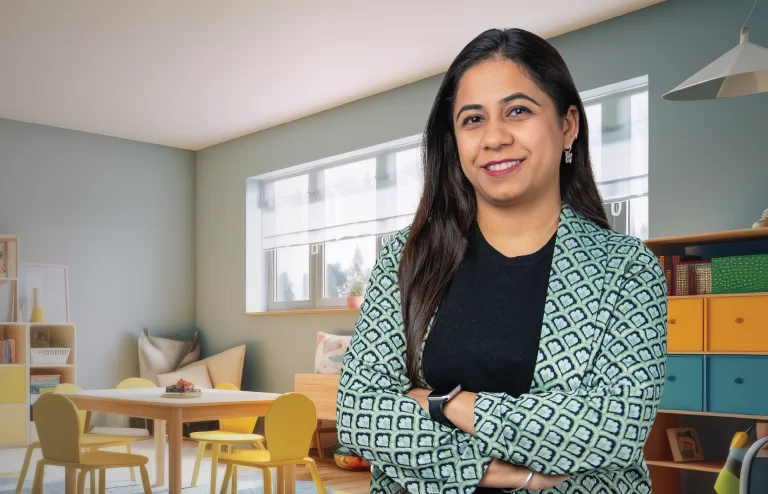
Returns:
<point x="11" y="461"/>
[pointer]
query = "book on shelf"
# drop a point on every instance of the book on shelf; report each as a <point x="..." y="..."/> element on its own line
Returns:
<point x="8" y="352"/>
<point x="3" y="259"/>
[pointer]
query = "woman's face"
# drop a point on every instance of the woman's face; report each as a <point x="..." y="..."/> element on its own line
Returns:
<point x="509" y="135"/>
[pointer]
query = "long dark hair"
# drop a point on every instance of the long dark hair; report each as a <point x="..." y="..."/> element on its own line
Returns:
<point x="448" y="207"/>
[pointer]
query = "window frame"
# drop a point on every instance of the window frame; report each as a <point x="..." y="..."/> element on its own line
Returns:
<point x="385" y="171"/>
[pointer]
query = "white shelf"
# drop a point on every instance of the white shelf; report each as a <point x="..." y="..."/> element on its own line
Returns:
<point x="50" y="366"/>
<point x="8" y="279"/>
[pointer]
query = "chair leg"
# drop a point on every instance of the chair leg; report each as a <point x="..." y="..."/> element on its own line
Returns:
<point x="214" y="465"/>
<point x="81" y="481"/>
<point x="25" y="468"/>
<point x="234" y="479"/>
<point x="144" y="480"/>
<point x="132" y="470"/>
<point x="92" y="473"/>
<point x="318" y="446"/>
<point x="198" y="460"/>
<point x="102" y="474"/>
<point x="315" y="476"/>
<point x="37" y="486"/>
<point x="267" y="480"/>
<point x="227" y="476"/>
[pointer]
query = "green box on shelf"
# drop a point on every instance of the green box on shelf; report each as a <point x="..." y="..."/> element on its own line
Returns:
<point x="740" y="274"/>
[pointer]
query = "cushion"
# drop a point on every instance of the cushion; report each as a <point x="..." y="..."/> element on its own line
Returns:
<point x="226" y="366"/>
<point x="163" y="355"/>
<point x="197" y="375"/>
<point x="329" y="355"/>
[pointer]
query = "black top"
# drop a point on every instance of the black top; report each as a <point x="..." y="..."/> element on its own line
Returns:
<point x="486" y="331"/>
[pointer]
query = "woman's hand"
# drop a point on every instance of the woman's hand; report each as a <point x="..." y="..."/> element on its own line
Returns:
<point x="420" y="395"/>
<point x="503" y="475"/>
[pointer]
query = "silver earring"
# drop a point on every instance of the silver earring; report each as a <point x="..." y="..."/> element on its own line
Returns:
<point x="569" y="154"/>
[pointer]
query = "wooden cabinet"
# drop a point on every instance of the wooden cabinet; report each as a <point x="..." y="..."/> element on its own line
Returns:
<point x="737" y="384"/>
<point x="737" y="324"/>
<point x="13" y="425"/>
<point x="685" y="328"/>
<point x="13" y="384"/>
<point x="684" y="384"/>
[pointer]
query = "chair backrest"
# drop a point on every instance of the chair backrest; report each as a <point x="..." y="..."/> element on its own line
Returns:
<point x="136" y="383"/>
<point x="65" y="388"/>
<point x="289" y="425"/>
<point x="243" y="425"/>
<point x="58" y="426"/>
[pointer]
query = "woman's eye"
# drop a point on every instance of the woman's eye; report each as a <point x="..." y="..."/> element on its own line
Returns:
<point x="518" y="111"/>
<point x="473" y="119"/>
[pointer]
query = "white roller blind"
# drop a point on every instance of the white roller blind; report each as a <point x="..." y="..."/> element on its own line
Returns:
<point x="371" y="196"/>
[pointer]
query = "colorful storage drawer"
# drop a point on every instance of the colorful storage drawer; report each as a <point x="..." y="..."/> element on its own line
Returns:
<point x="736" y="384"/>
<point x="684" y="384"/>
<point x="740" y="274"/>
<point x="13" y="421"/>
<point x="13" y="385"/>
<point x="685" y="325"/>
<point x="737" y="324"/>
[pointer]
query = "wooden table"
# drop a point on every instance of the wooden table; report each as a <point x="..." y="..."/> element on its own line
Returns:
<point x="147" y="403"/>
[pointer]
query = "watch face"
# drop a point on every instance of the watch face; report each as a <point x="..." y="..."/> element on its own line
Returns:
<point x="444" y="392"/>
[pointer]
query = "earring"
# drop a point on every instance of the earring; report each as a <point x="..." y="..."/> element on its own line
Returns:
<point x="569" y="154"/>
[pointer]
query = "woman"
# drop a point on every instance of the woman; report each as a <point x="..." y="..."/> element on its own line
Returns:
<point x="539" y="332"/>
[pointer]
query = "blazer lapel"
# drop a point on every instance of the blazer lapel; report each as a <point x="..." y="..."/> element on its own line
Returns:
<point x="571" y="325"/>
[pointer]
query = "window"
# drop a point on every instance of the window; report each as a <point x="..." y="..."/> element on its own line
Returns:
<point x="320" y="227"/>
<point x="617" y="116"/>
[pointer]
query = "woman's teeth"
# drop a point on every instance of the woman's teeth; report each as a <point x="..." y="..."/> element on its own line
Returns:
<point x="503" y="166"/>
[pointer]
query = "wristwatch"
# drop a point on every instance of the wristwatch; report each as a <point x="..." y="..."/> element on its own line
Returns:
<point x="436" y="399"/>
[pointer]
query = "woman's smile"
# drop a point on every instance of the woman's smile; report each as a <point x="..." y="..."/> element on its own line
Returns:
<point x="502" y="168"/>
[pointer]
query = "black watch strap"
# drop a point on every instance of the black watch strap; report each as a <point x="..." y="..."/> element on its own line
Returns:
<point x="436" y="412"/>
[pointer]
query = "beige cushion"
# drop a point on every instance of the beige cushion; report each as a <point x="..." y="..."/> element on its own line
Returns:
<point x="329" y="354"/>
<point x="163" y="355"/>
<point x="197" y="375"/>
<point x="226" y="366"/>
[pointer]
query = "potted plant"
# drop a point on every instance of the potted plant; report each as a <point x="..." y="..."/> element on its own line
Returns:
<point x="354" y="288"/>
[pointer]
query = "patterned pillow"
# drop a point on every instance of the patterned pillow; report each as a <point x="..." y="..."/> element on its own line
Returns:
<point x="329" y="355"/>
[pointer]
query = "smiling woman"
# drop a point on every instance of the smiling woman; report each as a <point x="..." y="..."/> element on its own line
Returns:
<point x="509" y="340"/>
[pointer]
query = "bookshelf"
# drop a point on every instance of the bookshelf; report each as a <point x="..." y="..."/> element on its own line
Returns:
<point x="717" y="357"/>
<point x="16" y="398"/>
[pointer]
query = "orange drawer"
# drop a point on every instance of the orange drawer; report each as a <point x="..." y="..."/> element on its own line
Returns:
<point x="685" y="325"/>
<point x="737" y="324"/>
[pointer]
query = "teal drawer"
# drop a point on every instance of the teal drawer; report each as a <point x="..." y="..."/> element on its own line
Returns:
<point x="684" y="384"/>
<point x="737" y="384"/>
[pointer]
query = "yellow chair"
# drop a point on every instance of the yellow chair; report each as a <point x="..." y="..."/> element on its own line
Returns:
<point x="289" y="426"/>
<point x="88" y="441"/>
<point x="231" y="432"/>
<point x="58" y="425"/>
<point x="130" y="434"/>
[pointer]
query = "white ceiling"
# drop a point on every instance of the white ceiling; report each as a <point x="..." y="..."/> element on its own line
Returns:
<point x="193" y="73"/>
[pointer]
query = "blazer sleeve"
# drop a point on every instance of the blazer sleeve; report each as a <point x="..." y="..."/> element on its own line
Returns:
<point x="376" y="419"/>
<point x="602" y="426"/>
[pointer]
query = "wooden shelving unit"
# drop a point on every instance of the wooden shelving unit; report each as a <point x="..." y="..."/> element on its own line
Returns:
<point x="16" y="428"/>
<point x="665" y="472"/>
<point x="699" y="466"/>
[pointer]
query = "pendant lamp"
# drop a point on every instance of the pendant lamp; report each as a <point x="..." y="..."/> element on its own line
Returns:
<point x="741" y="71"/>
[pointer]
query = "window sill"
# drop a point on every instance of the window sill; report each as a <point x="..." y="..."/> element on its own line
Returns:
<point x="304" y="312"/>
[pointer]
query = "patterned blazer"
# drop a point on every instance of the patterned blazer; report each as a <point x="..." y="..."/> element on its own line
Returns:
<point x="597" y="382"/>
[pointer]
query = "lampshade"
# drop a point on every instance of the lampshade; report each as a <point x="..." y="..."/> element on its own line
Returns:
<point x="741" y="71"/>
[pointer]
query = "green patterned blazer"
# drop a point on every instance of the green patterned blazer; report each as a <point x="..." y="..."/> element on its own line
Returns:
<point x="596" y="388"/>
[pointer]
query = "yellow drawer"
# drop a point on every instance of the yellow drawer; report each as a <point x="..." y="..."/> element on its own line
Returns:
<point x="13" y="385"/>
<point x="13" y="428"/>
<point x="685" y="328"/>
<point x="737" y="324"/>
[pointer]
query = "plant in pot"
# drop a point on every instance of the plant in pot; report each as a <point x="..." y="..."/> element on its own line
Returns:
<point x="354" y="287"/>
